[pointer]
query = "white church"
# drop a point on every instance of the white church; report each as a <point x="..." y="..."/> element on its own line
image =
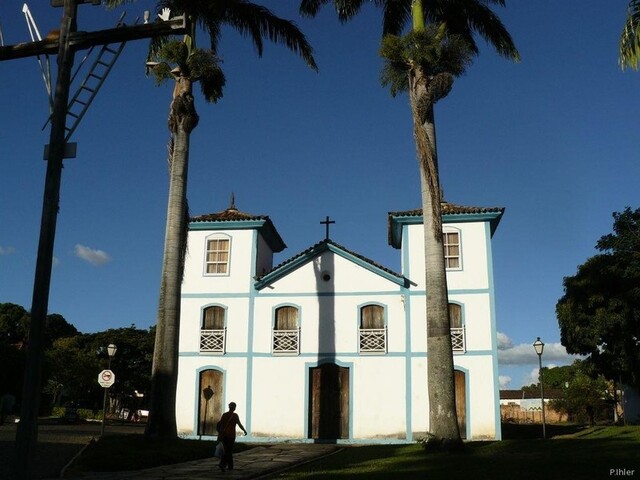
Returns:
<point x="329" y="345"/>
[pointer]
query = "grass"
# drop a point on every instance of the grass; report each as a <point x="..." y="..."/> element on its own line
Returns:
<point x="571" y="452"/>
<point x="575" y="453"/>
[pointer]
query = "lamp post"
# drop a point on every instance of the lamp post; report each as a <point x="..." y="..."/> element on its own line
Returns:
<point x="539" y="348"/>
<point x="111" y="352"/>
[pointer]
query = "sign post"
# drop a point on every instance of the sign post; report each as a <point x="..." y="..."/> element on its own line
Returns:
<point x="106" y="378"/>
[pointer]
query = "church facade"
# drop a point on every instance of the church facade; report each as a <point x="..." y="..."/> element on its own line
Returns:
<point x="330" y="345"/>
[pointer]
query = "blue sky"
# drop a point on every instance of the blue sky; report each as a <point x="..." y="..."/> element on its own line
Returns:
<point x="552" y="139"/>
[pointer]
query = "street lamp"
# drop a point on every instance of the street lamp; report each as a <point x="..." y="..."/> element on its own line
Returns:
<point x="539" y="348"/>
<point x="111" y="352"/>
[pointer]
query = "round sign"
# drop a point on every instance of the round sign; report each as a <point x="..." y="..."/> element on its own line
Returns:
<point x="106" y="378"/>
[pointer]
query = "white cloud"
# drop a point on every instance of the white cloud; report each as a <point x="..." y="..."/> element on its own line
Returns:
<point x="504" y="342"/>
<point x="94" y="257"/>
<point x="531" y="377"/>
<point x="524" y="353"/>
<point x="7" y="250"/>
<point x="504" y="381"/>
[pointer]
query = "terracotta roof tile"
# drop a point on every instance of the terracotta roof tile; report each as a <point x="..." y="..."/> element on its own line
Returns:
<point x="450" y="209"/>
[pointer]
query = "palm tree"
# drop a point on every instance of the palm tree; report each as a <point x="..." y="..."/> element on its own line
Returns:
<point x="630" y="38"/>
<point x="424" y="63"/>
<point x="191" y="65"/>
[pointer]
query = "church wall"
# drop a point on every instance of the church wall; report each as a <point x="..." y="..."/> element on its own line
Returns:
<point x="237" y="322"/>
<point x="346" y="277"/>
<point x="472" y="275"/>
<point x="379" y="397"/>
<point x="240" y="269"/>
<point x="481" y="395"/>
<point x="392" y="386"/>
<point x="264" y="257"/>
<point x="187" y="399"/>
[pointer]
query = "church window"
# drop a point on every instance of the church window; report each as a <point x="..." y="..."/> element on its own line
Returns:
<point x="457" y="329"/>
<point x="286" y="331"/>
<point x="373" y="332"/>
<point x="217" y="255"/>
<point x="452" y="256"/>
<point x="212" y="330"/>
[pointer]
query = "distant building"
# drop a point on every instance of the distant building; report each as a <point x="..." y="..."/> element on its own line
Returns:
<point x="520" y="406"/>
<point x="330" y="344"/>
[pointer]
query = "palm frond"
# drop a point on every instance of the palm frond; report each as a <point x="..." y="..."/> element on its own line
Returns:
<point x="115" y="3"/>
<point x="466" y="17"/>
<point x="630" y="38"/>
<point x="441" y="57"/>
<point x="395" y="17"/>
<point x="260" y="23"/>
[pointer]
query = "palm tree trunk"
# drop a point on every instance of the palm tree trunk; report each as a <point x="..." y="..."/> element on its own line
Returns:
<point x="164" y="375"/>
<point x="443" y="423"/>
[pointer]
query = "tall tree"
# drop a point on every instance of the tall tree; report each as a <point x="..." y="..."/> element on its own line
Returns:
<point x="191" y="65"/>
<point x="599" y="313"/>
<point x="424" y="64"/>
<point x="629" y="54"/>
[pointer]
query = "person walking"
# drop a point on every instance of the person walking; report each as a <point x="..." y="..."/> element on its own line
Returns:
<point x="227" y="434"/>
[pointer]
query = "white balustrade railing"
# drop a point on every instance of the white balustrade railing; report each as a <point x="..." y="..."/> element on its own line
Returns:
<point x="373" y="340"/>
<point x="212" y="341"/>
<point x="286" y="342"/>
<point x="457" y="340"/>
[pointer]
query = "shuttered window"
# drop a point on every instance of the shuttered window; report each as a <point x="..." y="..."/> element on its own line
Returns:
<point x="455" y="315"/>
<point x="286" y="318"/>
<point x="213" y="318"/>
<point x="372" y="316"/>
<point x="217" y="257"/>
<point x="451" y="242"/>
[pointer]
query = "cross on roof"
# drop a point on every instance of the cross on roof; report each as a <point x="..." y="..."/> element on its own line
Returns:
<point x="326" y="223"/>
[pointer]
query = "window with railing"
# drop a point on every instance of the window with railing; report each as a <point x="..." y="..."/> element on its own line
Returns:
<point x="457" y="329"/>
<point x="372" y="331"/>
<point x="286" y="331"/>
<point x="213" y="330"/>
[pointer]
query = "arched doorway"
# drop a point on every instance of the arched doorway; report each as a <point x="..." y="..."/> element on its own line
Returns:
<point x="461" y="402"/>
<point x="210" y="389"/>
<point x="328" y="402"/>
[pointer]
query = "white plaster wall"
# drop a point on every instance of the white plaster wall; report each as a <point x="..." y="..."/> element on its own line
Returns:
<point x="419" y="396"/>
<point x="345" y="277"/>
<point x="237" y="322"/>
<point x="378" y="399"/>
<point x="240" y="277"/>
<point x="476" y="311"/>
<point x="235" y="378"/>
<point x="481" y="398"/>
<point x="473" y="274"/>
<point x="279" y="397"/>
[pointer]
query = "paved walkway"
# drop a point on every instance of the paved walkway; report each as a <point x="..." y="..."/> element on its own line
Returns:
<point x="255" y="463"/>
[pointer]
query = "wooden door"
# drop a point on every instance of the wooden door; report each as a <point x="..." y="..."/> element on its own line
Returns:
<point x="210" y="405"/>
<point x="461" y="402"/>
<point x="329" y="402"/>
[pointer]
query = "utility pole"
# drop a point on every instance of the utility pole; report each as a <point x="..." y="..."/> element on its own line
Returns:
<point x="69" y="41"/>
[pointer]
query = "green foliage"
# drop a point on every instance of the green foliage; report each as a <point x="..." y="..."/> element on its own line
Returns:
<point x="585" y="393"/>
<point x="14" y="324"/>
<point x="433" y="50"/>
<point x="205" y="67"/>
<point x="585" y="398"/>
<point x="599" y="314"/>
<point x="629" y="54"/>
<point x="82" y="413"/>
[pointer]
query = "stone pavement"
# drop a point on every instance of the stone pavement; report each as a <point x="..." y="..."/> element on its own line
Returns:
<point x="258" y="462"/>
